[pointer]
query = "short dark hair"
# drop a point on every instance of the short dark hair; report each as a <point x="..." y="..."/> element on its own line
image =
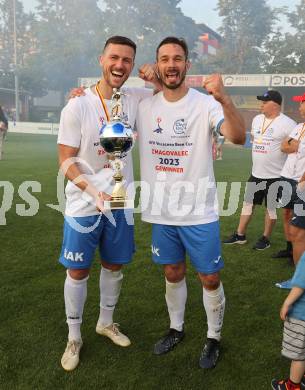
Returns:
<point x="119" y="40"/>
<point x="177" y="41"/>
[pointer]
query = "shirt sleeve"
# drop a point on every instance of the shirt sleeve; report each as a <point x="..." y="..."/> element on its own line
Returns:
<point x="290" y="126"/>
<point x="295" y="133"/>
<point x="298" y="279"/>
<point x="70" y="125"/>
<point x="143" y="93"/>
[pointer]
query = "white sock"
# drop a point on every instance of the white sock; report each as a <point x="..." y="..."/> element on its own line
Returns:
<point x="110" y="287"/>
<point x="75" y="292"/>
<point x="214" y="304"/>
<point x="176" y="294"/>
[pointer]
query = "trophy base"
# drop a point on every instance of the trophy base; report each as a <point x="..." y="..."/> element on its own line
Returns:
<point x="118" y="204"/>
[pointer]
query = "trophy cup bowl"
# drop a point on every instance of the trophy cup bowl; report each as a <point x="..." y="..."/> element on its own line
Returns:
<point x="117" y="140"/>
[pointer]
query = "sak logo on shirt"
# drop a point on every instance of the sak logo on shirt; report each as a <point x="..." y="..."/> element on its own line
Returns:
<point x="180" y="126"/>
<point x="158" y="129"/>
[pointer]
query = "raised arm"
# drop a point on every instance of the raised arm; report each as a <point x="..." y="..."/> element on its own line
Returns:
<point x="233" y="127"/>
<point x="147" y="72"/>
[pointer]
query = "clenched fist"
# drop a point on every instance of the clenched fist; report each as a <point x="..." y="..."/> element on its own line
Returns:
<point x="148" y="72"/>
<point x="214" y="86"/>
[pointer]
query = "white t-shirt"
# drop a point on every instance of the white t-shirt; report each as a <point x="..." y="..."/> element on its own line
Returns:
<point x="294" y="167"/>
<point x="267" y="158"/>
<point x="175" y="140"/>
<point x="80" y="123"/>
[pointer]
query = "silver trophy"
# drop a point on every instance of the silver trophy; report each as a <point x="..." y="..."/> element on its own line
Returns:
<point x="117" y="139"/>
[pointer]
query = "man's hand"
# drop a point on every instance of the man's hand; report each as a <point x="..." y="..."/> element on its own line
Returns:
<point x="148" y="72"/>
<point x="76" y="92"/>
<point x="214" y="86"/>
<point x="102" y="196"/>
<point x="290" y="145"/>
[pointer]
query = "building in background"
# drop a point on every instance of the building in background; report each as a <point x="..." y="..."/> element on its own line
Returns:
<point x="47" y="108"/>
<point x="209" y="41"/>
<point x="7" y="101"/>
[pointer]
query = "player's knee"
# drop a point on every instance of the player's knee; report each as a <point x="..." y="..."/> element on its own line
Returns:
<point x="298" y="235"/>
<point x="174" y="273"/>
<point x="247" y="209"/>
<point x="111" y="267"/>
<point x="272" y="213"/>
<point x="210" y="282"/>
<point x="78" y="274"/>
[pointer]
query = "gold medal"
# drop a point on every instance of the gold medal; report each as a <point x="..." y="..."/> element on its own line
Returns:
<point x="259" y="140"/>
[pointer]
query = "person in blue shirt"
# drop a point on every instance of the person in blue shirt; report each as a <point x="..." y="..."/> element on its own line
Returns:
<point x="293" y="347"/>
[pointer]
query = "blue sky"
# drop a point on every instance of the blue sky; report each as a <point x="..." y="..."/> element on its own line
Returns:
<point x="202" y="11"/>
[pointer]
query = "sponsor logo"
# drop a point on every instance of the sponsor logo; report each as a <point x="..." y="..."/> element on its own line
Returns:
<point x="159" y="129"/>
<point x="155" y="251"/>
<point x="216" y="261"/>
<point x="180" y="126"/>
<point x="288" y="80"/>
<point x="269" y="132"/>
<point x="77" y="256"/>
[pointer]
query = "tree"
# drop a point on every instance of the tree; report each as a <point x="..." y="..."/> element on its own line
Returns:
<point x="69" y="39"/>
<point x="286" y="51"/>
<point x="25" y="47"/>
<point x="147" y="23"/>
<point x="245" y="27"/>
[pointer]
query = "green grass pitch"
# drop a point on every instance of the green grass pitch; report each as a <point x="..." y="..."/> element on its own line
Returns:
<point x="33" y="331"/>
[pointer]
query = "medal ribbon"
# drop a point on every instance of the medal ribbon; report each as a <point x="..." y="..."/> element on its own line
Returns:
<point x="302" y="133"/>
<point x="102" y="101"/>
<point x="265" y="128"/>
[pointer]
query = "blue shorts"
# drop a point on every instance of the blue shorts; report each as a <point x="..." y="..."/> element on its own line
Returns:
<point x="82" y="235"/>
<point x="201" y="242"/>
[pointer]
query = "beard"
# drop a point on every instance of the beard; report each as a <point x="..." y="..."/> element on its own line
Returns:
<point x="173" y="86"/>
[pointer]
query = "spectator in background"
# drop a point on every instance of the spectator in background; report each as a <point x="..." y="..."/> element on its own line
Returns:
<point x="219" y="142"/>
<point x="3" y="130"/>
<point x="268" y="131"/>
<point x="214" y="146"/>
<point x="293" y="173"/>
